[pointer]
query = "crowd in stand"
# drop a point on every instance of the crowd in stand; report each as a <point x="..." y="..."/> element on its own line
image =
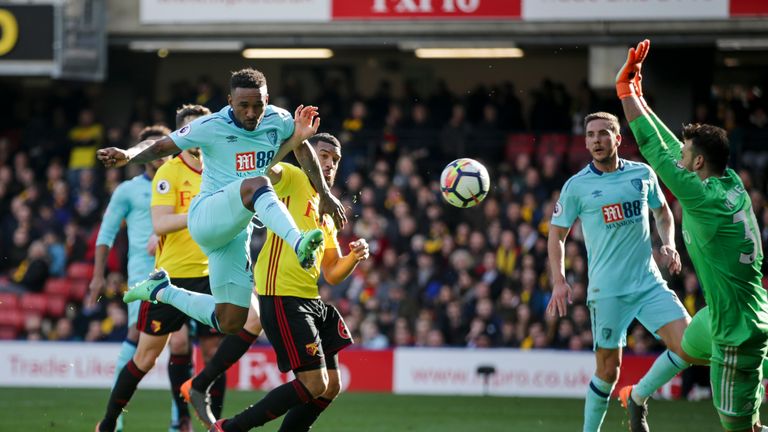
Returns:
<point x="439" y="276"/>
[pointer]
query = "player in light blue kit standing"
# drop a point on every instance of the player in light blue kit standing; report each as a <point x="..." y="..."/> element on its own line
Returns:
<point x="130" y="202"/>
<point x="239" y="143"/>
<point x="611" y="197"/>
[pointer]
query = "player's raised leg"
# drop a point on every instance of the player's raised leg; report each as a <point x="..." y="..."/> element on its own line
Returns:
<point x="258" y="196"/>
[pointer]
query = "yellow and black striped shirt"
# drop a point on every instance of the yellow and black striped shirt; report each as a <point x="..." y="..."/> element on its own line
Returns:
<point x="277" y="270"/>
<point x="175" y="184"/>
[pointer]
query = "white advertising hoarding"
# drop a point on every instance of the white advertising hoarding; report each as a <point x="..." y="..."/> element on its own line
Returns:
<point x="518" y="373"/>
<point x="63" y="364"/>
<point x="233" y="11"/>
<point x="623" y="10"/>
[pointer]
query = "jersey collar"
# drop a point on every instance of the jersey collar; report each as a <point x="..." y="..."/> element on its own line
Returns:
<point x="595" y="170"/>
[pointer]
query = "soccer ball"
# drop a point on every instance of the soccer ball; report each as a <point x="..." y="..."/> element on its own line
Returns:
<point x="464" y="183"/>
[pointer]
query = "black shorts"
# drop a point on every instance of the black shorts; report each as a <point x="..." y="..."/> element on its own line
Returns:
<point x="302" y="331"/>
<point x="161" y="319"/>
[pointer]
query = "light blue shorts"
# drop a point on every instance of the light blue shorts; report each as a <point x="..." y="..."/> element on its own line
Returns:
<point x="221" y="226"/>
<point x="611" y="316"/>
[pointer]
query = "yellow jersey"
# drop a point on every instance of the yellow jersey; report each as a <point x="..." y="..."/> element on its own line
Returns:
<point x="277" y="271"/>
<point x="175" y="184"/>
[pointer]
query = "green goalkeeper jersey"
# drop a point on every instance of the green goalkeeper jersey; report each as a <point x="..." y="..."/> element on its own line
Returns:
<point x="720" y="232"/>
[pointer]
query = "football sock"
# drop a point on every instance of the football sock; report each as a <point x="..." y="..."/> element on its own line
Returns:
<point x="301" y="418"/>
<point x="596" y="404"/>
<point x="127" y="350"/>
<point x="129" y="378"/>
<point x="275" y="216"/>
<point x="272" y="406"/>
<point x="201" y="307"/>
<point x="179" y="370"/>
<point x="666" y="366"/>
<point x="216" y="391"/>
<point x="231" y="348"/>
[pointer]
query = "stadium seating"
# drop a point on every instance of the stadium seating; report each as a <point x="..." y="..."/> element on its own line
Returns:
<point x="58" y="287"/>
<point x="34" y="303"/>
<point x="80" y="270"/>
<point x="56" y="306"/>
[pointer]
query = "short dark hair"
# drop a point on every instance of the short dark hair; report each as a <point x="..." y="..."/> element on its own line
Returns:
<point x="710" y="142"/>
<point x="247" y="78"/>
<point x="153" y="130"/>
<point x="602" y="115"/>
<point x="325" y="137"/>
<point x="187" y="110"/>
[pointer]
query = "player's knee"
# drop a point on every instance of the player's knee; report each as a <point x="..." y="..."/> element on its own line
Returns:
<point x="315" y="384"/>
<point x="229" y="324"/>
<point x="333" y="389"/>
<point x="251" y="185"/>
<point x="253" y="325"/>
<point x="179" y="344"/>
<point x="145" y="360"/>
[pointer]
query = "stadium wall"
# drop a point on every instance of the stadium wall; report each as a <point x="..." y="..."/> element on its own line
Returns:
<point x="433" y="371"/>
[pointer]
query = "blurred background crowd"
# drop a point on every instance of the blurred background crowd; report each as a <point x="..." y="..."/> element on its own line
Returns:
<point x="438" y="276"/>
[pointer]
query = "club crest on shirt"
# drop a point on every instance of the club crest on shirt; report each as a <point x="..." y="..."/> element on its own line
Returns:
<point x="272" y="137"/>
<point x="637" y="184"/>
<point x="312" y="348"/>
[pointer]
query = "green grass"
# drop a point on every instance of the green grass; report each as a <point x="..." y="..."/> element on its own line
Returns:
<point x="78" y="410"/>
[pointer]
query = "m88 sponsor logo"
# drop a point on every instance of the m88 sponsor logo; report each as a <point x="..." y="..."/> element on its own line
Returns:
<point x="620" y="211"/>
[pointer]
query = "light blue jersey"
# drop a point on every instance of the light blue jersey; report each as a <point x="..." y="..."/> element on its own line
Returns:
<point x="613" y="209"/>
<point x="230" y="152"/>
<point x="130" y="201"/>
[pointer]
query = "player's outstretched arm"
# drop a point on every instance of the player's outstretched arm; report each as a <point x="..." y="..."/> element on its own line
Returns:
<point x="143" y="152"/>
<point x="686" y="186"/>
<point x="305" y="124"/>
<point x="561" y="290"/>
<point x="336" y="267"/>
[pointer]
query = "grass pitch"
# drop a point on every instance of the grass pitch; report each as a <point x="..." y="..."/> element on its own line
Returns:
<point x="78" y="410"/>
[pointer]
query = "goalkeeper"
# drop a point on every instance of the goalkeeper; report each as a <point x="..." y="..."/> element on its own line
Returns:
<point x="722" y="238"/>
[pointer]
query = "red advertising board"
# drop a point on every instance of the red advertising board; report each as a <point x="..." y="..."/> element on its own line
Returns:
<point x="425" y="9"/>
<point x="361" y="370"/>
<point x="745" y="8"/>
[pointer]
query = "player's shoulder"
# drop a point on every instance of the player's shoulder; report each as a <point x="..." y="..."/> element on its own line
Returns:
<point x="577" y="179"/>
<point x="277" y="112"/>
<point x="170" y="167"/>
<point x="276" y="117"/>
<point x="635" y="167"/>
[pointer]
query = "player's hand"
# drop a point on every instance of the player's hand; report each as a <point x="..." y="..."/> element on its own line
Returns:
<point x="625" y="85"/>
<point x="113" y="157"/>
<point x="152" y="245"/>
<point x="561" y="293"/>
<point x="95" y="288"/>
<point x="359" y="248"/>
<point x="306" y="122"/>
<point x="331" y="205"/>
<point x="641" y="52"/>
<point x="670" y="259"/>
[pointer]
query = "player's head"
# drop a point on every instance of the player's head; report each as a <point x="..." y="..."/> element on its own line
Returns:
<point x="328" y="149"/>
<point x="248" y="97"/>
<point x="602" y="136"/>
<point x="705" y="148"/>
<point x="154" y="132"/>
<point x="186" y="114"/>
